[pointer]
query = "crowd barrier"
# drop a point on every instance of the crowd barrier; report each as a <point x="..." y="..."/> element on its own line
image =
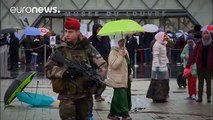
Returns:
<point x="140" y="69"/>
<point x="4" y="54"/>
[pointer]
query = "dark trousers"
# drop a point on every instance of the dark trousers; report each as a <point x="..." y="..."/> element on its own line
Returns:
<point x="100" y="89"/>
<point x="204" y="74"/>
<point x="28" y="57"/>
<point x="75" y="109"/>
<point x="14" y="61"/>
<point x="147" y="56"/>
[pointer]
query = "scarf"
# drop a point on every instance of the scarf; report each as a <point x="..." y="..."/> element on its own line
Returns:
<point x="206" y="42"/>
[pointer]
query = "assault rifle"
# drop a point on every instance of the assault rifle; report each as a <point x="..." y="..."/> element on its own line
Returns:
<point x="80" y="67"/>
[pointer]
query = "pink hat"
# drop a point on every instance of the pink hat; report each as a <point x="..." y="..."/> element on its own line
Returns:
<point x="72" y="23"/>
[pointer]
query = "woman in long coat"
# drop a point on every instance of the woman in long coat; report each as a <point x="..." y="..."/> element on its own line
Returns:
<point x="159" y="86"/>
<point x="118" y="77"/>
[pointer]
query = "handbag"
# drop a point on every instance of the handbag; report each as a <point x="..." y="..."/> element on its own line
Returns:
<point x="192" y="70"/>
<point x="187" y="72"/>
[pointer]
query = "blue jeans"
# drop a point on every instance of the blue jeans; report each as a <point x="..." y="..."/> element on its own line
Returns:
<point x="147" y="56"/>
<point x="34" y="58"/>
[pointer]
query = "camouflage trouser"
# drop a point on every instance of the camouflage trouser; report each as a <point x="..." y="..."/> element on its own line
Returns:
<point x="79" y="109"/>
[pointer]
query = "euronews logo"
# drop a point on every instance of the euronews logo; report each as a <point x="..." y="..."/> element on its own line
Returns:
<point x="27" y="9"/>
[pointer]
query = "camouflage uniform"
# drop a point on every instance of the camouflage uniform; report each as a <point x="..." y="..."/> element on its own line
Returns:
<point x="75" y="103"/>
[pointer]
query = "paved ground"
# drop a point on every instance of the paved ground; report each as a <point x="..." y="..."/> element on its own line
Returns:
<point x="175" y="109"/>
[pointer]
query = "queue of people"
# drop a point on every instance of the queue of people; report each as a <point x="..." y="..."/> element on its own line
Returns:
<point x="33" y="47"/>
<point x="112" y="60"/>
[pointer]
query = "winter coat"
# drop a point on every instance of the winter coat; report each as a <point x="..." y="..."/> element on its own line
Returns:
<point x="159" y="56"/>
<point x="55" y="70"/>
<point x="117" y="73"/>
<point x="14" y="45"/>
<point x="185" y="53"/>
<point x="102" y="44"/>
<point x="198" y="53"/>
<point x="131" y="45"/>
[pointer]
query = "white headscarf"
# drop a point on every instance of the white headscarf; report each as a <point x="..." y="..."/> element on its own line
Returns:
<point x="114" y="43"/>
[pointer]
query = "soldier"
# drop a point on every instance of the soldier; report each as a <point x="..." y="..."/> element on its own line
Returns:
<point x="75" y="102"/>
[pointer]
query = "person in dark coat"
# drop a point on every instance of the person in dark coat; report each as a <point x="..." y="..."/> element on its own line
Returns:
<point x="197" y="33"/>
<point x="13" y="51"/>
<point x="131" y="45"/>
<point x="3" y="39"/>
<point x="102" y="45"/>
<point x="27" y="43"/>
<point x="148" y="38"/>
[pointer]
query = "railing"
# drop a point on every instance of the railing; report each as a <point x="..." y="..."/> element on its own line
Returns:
<point x="4" y="53"/>
<point x="140" y="64"/>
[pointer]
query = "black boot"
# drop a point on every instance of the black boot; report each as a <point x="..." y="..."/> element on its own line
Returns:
<point x="209" y="99"/>
<point x="200" y="96"/>
<point x="199" y="100"/>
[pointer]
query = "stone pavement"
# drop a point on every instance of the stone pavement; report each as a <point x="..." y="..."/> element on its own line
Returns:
<point x="175" y="109"/>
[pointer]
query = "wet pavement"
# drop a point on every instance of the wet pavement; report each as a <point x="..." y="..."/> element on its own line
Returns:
<point x="177" y="108"/>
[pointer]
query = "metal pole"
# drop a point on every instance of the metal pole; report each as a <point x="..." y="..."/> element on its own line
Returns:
<point x="135" y="64"/>
<point x="135" y="58"/>
<point x="45" y="56"/>
<point x="170" y="65"/>
<point x="1" y="61"/>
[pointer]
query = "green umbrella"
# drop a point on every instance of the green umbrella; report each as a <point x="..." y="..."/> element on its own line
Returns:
<point x="120" y="27"/>
<point x="17" y="86"/>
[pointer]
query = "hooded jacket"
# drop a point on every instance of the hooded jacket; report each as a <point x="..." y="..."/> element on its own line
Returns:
<point x="102" y="44"/>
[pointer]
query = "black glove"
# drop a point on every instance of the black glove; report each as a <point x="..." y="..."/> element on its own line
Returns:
<point x="70" y="74"/>
<point x="89" y="84"/>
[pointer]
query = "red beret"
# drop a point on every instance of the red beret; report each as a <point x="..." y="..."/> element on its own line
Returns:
<point x="72" y="23"/>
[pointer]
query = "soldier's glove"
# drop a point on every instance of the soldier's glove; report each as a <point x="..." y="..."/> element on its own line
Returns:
<point x="70" y="74"/>
<point x="89" y="84"/>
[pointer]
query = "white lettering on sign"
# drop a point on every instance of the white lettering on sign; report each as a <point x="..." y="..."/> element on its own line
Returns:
<point x="114" y="13"/>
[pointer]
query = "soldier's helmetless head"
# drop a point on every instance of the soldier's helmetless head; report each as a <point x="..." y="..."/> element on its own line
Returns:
<point x="72" y="29"/>
<point x="71" y="35"/>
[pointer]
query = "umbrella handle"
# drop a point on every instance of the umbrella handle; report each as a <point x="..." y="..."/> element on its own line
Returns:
<point x="36" y="87"/>
<point x="27" y="94"/>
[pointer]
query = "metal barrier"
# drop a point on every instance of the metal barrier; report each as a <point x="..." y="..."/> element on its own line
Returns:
<point x="141" y="70"/>
<point x="4" y="53"/>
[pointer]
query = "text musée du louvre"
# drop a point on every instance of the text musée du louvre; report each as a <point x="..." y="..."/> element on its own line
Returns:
<point x="114" y="13"/>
